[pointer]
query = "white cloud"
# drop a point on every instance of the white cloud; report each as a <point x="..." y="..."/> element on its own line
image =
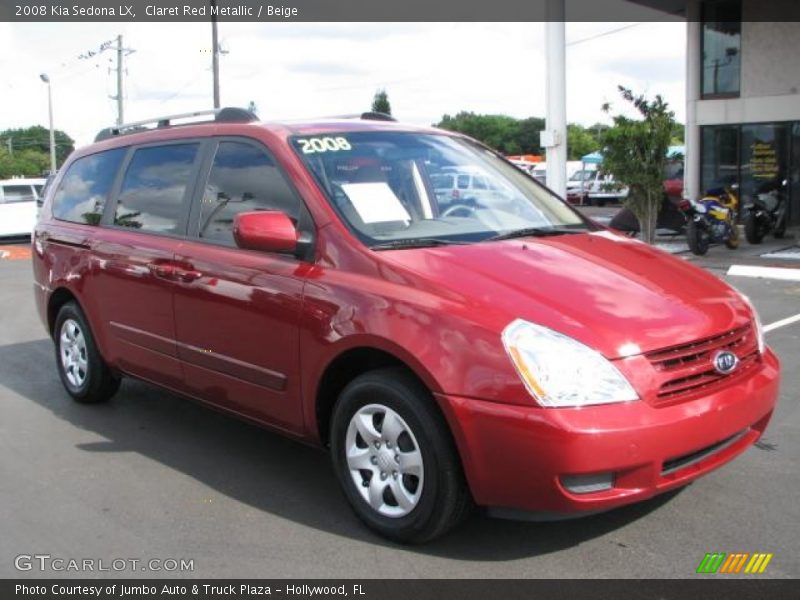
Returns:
<point x="303" y="70"/>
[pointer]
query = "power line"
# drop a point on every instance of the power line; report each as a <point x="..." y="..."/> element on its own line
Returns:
<point x="604" y="33"/>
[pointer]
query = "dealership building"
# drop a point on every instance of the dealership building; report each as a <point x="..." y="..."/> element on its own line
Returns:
<point x="742" y="94"/>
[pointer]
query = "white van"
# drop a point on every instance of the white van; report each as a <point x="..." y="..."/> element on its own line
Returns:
<point x="19" y="200"/>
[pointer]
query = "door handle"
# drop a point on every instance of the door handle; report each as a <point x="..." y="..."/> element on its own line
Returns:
<point x="164" y="271"/>
<point x="187" y="275"/>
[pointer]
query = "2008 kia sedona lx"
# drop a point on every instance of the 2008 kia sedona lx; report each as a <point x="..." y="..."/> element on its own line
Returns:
<point x="451" y="349"/>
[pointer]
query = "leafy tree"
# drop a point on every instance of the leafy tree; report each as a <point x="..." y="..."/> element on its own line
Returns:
<point x="678" y="131"/>
<point x="26" y="163"/>
<point x="38" y="138"/>
<point x="580" y="141"/>
<point x="380" y="103"/>
<point x="635" y="150"/>
<point x="503" y="133"/>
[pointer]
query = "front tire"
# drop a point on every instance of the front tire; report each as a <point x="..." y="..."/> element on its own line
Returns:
<point x="83" y="372"/>
<point x="752" y="230"/>
<point x="395" y="458"/>
<point x="697" y="239"/>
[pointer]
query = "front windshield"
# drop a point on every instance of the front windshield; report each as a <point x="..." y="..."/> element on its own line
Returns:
<point x="400" y="187"/>
<point x="582" y="175"/>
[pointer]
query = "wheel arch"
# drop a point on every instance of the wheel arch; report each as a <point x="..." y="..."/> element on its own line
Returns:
<point x="58" y="298"/>
<point x="349" y="364"/>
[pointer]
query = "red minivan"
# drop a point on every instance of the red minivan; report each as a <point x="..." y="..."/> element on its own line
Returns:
<point x="501" y="351"/>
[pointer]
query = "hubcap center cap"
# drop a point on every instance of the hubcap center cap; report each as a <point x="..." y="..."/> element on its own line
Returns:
<point x="385" y="460"/>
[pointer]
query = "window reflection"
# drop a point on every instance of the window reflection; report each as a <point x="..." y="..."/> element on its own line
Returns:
<point x="243" y="178"/>
<point x="152" y="193"/>
<point x="84" y="189"/>
<point x="721" y="47"/>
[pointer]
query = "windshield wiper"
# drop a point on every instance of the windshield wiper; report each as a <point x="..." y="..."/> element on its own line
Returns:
<point x="534" y="232"/>
<point x="414" y="243"/>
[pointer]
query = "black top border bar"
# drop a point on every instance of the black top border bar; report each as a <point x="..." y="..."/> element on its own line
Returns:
<point x="373" y="10"/>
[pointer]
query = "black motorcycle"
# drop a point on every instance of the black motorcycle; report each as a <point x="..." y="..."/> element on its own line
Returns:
<point x="671" y="216"/>
<point x="767" y="212"/>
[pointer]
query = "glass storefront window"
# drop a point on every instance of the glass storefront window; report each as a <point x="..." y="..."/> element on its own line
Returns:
<point x="722" y="37"/>
<point x="758" y="157"/>
<point x="764" y="158"/>
<point x="720" y="161"/>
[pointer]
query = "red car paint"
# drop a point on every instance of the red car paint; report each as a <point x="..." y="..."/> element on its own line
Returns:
<point x="254" y="333"/>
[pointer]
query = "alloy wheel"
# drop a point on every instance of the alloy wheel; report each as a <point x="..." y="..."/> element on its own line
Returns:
<point x="384" y="460"/>
<point x="72" y="350"/>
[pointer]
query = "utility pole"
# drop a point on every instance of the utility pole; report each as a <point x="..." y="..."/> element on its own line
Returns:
<point x="120" y="110"/>
<point x="122" y="52"/>
<point x="554" y="138"/>
<point x="215" y="53"/>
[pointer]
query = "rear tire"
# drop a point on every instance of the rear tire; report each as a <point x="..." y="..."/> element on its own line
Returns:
<point x="696" y="238"/>
<point x="752" y="231"/>
<point x="83" y="372"/>
<point x="395" y="458"/>
<point x="780" y="229"/>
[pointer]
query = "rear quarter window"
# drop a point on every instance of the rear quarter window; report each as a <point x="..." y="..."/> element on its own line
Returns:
<point x="81" y="196"/>
<point x="17" y="193"/>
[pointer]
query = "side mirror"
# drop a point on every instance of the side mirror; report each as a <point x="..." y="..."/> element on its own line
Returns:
<point x="269" y="231"/>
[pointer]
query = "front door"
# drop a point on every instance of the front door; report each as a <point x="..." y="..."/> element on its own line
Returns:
<point x="237" y="311"/>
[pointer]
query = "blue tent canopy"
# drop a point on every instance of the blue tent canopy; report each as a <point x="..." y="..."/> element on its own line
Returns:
<point x="595" y="158"/>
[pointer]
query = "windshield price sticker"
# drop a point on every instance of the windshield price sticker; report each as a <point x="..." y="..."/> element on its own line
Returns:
<point x="323" y="144"/>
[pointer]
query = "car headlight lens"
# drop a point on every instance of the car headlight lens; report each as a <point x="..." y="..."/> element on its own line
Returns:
<point x="559" y="371"/>
<point x="762" y="345"/>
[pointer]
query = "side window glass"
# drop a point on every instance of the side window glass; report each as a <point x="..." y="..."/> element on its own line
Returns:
<point x="18" y="193"/>
<point x="243" y="178"/>
<point x="84" y="189"/>
<point x="152" y="193"/>
<point x="463" y="182"/>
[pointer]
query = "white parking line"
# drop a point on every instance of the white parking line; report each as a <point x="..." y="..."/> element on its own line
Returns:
<point x="766" y="272"/>
<point x="781" y="323"/>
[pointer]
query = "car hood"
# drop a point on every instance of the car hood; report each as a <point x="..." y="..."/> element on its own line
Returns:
<point x="612" y="293"/>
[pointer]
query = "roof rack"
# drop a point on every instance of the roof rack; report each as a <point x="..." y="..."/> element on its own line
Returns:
<point x="377" y="116"/>
<point x="366" y="116"/>
<point x="221" y="115"/>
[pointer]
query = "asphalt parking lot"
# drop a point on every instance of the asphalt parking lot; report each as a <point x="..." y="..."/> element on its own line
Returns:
<point x="152" y="475"/>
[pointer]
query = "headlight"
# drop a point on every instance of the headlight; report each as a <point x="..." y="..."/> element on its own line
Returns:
<point x="759" y="326"/>
<point x="559" y="371"/>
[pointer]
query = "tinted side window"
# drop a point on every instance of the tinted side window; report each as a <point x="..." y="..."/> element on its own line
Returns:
<point x="18" y="193"/>
<point x="155" y="183"/>
<point x="243" y="178"/>
<point x="84" y="189"/>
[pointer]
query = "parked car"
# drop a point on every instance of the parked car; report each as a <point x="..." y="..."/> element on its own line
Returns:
<point x="305" y="276"/>
<point x="598" y="188"/>
<point x="460" y="191"/>
<point x="18" y="206"/>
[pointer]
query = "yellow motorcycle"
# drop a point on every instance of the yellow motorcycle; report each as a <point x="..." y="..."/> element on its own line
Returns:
<point x="712" y="220"/>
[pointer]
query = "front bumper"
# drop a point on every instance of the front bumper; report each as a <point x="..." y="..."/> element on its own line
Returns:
<point x="516" y="456"/>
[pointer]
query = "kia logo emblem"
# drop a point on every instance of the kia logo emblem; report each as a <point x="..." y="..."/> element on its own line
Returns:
<point x="725" y="362"/>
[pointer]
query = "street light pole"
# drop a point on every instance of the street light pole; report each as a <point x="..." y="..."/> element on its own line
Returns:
<point x="215" y="53"/>
<point x="44" y="77"/>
